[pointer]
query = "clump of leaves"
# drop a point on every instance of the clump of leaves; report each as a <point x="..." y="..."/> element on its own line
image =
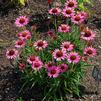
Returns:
<point x="4" y="4"/>
<point x="20" y="2"/>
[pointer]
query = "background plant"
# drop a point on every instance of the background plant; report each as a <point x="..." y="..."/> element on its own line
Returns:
<point x="21" y="2"/>
<point x="81" y="4"/>
<point x="5" y="4"/>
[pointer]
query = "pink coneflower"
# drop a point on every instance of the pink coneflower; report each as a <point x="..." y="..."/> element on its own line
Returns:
<point x="55" y="11"/>
<point x="83" y="14"/>
<point x="55" y="37"/>
<point x="40" y="44"/>
<point x="63" y="67"/>
<point x="37" y="65"/>
<point x="90" y="51"/>
<point x="22" y="66"/>
<point x="71" y="3"/>
<point x="34" y="27"/>
<point x="19" y="44"/>
<point x="21" y="21"/>
<point x="49" y="65"/>
<point x="63" y="28"/>
<point x="50" y="33"/>
<point x="24" y="35"/>
<point x="88" y="34"/>
<point x="11" y="53"/>
<point x="68" y="12"/>
<point x="59" y="54"/>
<point x="32" y="59"/>
<point x="67" y="46"/>
<point x="54" y="72"/>
<point x="77" y="19"/>
<point x="73" y="57"/>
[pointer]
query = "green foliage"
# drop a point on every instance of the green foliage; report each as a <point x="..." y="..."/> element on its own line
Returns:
<point x="20" y="99"/>
<point x="19" y="2"/>
<point x="22" y="2"/>
<point x="82" y="3"/>
<point x="63" y="1"/>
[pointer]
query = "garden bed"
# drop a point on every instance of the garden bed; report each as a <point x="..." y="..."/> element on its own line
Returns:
<point x="9" y="79"/>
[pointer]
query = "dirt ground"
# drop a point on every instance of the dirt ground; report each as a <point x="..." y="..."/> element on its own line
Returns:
<point x="9" y="80"/>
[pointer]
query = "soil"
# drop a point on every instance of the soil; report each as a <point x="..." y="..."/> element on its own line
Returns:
<point x="9" y="78"/>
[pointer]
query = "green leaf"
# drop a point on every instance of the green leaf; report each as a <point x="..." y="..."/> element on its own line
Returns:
<point x="80" y="1"/>
<point x="22" y="2"/>
<point x="63" y="1"/>
<point x="81" y="6"/>
<point x="20" y="99"/>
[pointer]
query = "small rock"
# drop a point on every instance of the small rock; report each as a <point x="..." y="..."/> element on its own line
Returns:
<point x="99" y="46"/>
<point x="1" y="97"/>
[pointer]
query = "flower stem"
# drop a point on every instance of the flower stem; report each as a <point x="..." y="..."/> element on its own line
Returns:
<point x="55" y="23"/>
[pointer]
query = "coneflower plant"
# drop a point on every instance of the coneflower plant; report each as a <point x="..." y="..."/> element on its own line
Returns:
<point x="54" y="60"/>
